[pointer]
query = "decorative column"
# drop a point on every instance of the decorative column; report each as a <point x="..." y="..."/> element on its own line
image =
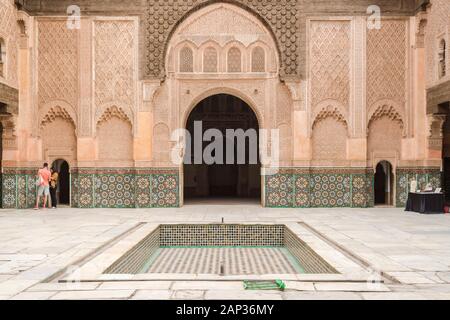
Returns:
<point x="302" y="145"/>
<point x="419" y="89"/>
<point x="144" y="121"/>
<point x="435" y="136"/>
<point x="85" y="143"/>
<point x="357" y="141"/>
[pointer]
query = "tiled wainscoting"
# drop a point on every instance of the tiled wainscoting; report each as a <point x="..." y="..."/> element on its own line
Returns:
<point x="125" y="188"/>
<point x="99" y="188"/>
<point x="330" y="187"/>
<point x="160" y="188"/>
<point x="18" y="188"/>
<point x="423" y="176"/>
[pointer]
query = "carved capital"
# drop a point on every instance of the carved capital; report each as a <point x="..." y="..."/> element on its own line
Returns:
<point x="295" y="88"/>
<point x="435" y="125"/>
<point x="9" y="137"/>
<point x="435" y="133"/>
<point x="149" y="89"/>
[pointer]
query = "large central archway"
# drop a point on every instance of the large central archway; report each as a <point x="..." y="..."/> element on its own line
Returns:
<point x="223" y="179"/>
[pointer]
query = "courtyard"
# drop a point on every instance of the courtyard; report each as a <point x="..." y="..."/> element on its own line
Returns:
<point x="406" y="253"/>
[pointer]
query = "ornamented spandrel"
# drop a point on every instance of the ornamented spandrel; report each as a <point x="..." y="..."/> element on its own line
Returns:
<point x="162" y="17"/>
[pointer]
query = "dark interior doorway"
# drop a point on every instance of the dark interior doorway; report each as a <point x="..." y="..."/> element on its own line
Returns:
<point x="384" y="179"/>
<point x="63" y="190"/>
<point x="223" y="180"/>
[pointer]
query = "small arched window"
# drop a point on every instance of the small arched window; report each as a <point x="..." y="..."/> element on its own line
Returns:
<point x="420" y="36"/>
<point x="234" y="60"/>
<point x="258" y="60"/>
<point x="2" y="57"/>
<point x="442" y="56"/>
<point x="210" y="60"/>
<point x="186" y="60"/>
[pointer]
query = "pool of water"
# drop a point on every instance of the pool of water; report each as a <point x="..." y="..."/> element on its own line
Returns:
<point x="221" y="249"/>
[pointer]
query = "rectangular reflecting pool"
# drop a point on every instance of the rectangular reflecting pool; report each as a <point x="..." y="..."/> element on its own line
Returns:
<point x="221" y="249"/>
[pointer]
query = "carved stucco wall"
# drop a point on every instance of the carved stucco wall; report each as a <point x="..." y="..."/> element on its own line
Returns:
<point x="387" y="64"/>
<point x="229" y="27"/>
<point x="10" y="34"/>
<point x="114" y="58"/>
<point x="329" y="138"/>
<point x="114" y="61"/>
<point x="57" y="89"/>
<point x="330" y="51"/>
<point x="437" y="27"/>
<point x="283" y="121"/>
<point x="387" y="89"/>
<point x="384" y="138"/>
<point x="330" y="63"/>
<point x="57" y="62"/>
<point x="60" y="139"/>
<point x="115" y="78"/>
<point x="114" y="137"/>
<point x="164" y="16"/>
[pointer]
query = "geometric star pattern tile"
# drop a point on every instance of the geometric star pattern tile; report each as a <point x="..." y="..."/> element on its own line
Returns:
<point x="159" y="188"/>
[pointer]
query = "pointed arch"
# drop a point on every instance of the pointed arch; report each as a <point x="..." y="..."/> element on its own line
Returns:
<point x="57" y="109"/>
<point x="114" y="131"/>
<point x="389" y="109"/>
<point x="329" y="133"/>
<point x="385" y="130"/>
<point x="106" y="112"/>
<point x="329" y="109"/>
<point x="57" y="128"/>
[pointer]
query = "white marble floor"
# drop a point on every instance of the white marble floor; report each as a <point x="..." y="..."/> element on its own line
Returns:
<point x="411" y="248"/>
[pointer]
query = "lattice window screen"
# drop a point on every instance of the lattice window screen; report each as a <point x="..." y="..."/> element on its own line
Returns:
<point x="210" y="60"/>
<point x="2" y="57"/>
<point x="258" y="60"/>
<point x="234" y="60"/>
<point x="186" y="60"/>
<point x="442" y="58"/>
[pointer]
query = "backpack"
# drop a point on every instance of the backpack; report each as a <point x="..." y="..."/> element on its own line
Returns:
<point x="39" y="181"/>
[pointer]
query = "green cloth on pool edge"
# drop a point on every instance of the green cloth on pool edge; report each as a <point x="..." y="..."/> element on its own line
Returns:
<point x="264" y="285"/>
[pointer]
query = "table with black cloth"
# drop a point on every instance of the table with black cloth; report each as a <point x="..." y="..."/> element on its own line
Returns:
<point x="425" y="202"/>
